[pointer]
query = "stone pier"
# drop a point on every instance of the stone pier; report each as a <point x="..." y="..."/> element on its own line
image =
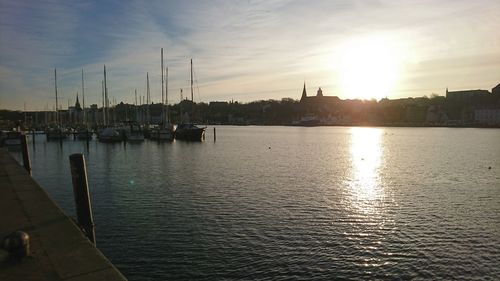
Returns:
<point x="59" y="250"/>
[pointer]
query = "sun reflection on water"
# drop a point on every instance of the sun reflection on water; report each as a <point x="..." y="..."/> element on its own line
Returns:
<point x="364" y="183"/>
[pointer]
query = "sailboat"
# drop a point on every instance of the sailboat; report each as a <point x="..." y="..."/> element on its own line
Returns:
<point x="165" y="132"/>
<point x="134" y="133"/>
<point x="83" y="133"/>
<point x="55" y="133"/>
<point x="108" y="133"/>
<point x="189" y="131"/>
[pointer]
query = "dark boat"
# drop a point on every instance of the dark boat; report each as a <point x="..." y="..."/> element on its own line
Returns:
<point x="190" y="132"/>
<point x="56" y="133"/>
<point x="84" y="134"/>
<point x="10" y="138"/>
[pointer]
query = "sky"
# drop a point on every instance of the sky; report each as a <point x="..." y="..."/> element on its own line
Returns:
<point x="245" y="50"/>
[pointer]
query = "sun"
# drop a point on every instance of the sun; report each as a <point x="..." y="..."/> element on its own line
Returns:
<point x="369" y="67"/>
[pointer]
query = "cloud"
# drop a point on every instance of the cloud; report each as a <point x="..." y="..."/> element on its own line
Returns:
<point x="242" y="50"/>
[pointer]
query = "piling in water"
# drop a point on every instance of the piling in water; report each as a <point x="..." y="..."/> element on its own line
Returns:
<point x="82" y="196"/>
<point x="25" y="152"/>
<point x="215" y="135"/>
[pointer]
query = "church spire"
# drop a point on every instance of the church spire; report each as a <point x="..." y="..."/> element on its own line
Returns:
<point x="77" y="103"/>
<point x="304" y="93"/>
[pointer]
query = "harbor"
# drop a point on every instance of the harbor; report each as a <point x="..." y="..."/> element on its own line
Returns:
<point x="249" y="140"/>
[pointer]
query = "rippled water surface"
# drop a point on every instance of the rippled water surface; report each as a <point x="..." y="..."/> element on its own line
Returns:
<point x="282" y="203"/>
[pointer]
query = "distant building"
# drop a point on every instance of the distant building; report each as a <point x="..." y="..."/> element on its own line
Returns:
<point x="487" y="116"/>
<point x="318" y="99"/>
<point x="436" y="115"/>
<point x="75" y="112"/>
<point x="464" y="96"/>
<point x="496" y="90"/>
<point x="319" y="109"/>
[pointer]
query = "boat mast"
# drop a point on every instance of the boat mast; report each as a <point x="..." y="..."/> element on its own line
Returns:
<point x="83" y="100"/>
<point x="192" y="100"/>
<point x="180" y="106"/>
<point x="135" y="107"/>
<point x="166" y="96"/>
<point x="25" y="117"/>
<point x="162" y="92"/>
<point x="147" y="96"/>
<point x="103" y="113"/>
<point x="191" y="80"/>
<point x="57" y="105"/>
<point x="106" y="96"/>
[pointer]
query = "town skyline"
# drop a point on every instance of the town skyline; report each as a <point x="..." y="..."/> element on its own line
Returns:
<point x="245" y="52"/>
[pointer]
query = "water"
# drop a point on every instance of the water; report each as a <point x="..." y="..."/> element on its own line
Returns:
<point x="284" y="203"/>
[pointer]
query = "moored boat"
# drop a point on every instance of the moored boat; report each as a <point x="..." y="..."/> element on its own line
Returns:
<point x="163" y="134"/>
<point x="110" y="134"/>
<point x="189" y="131"/>
<point x="165" y="131"/>
<point x="134" y="133"/>
<point x="84" y="134"/>
<point x="11" y="138"/>
<point x="55" y="133"/>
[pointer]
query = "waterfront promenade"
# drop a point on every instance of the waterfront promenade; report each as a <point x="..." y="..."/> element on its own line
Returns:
<point x="58" y="249"/>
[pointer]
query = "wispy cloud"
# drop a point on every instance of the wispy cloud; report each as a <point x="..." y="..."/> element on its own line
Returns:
<point x="242" y="50"/>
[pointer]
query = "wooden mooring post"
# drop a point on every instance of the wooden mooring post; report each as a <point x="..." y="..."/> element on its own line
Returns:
<point x="25" y="153"/>
<point x="82" y="196"/>
<point x="215" y="135"/>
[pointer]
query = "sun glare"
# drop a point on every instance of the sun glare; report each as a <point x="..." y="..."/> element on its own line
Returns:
<point x="366" y="153"/>
<point x="369" y="67"/>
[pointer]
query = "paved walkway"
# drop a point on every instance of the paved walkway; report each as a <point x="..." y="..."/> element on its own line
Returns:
<point x="59" y="251"/>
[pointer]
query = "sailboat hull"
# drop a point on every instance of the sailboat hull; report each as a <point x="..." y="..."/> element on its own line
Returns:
<point x="163" y="134"/>
<point x="84" y="135"/>
<point x="190" y="134"/>
<point x="55" y="134"/>
<point x="110" y="135"/>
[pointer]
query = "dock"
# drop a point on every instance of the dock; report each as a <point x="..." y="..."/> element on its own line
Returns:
<point x="58" y="249"/>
